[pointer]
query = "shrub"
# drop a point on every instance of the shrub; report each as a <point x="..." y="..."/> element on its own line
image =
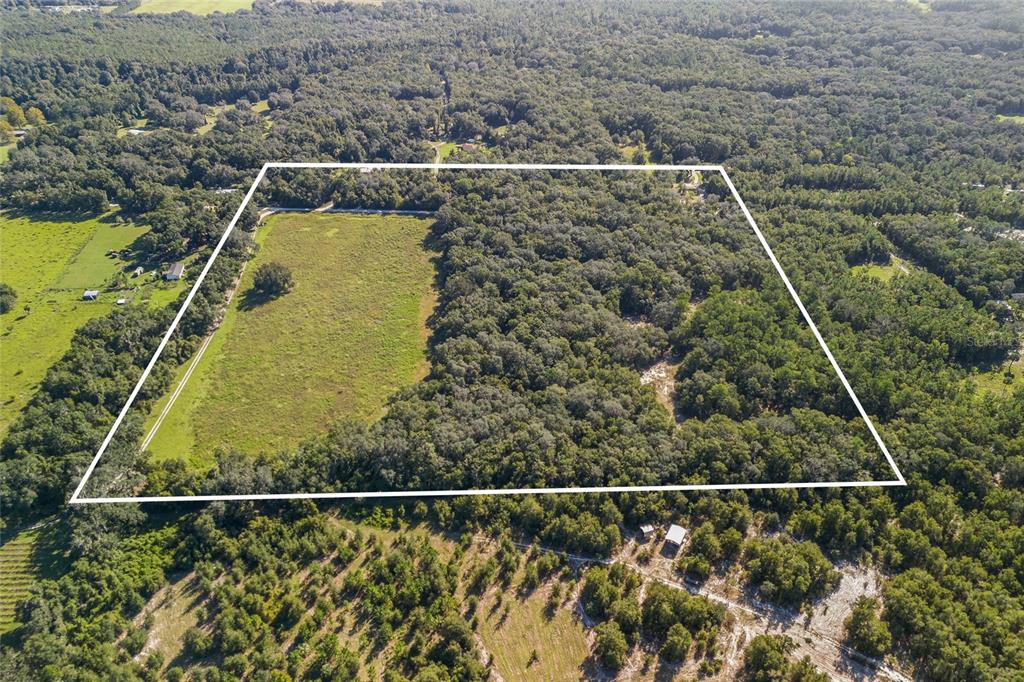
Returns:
<point x="8" y="297"/>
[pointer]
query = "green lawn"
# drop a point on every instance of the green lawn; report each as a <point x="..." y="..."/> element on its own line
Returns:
<point x="1011" y="119"/>
<point x="50" y="261"/>
<point x="443" y="149"/>
<point x="994" y="380"/>
<point x="883" y="272"/>
<point x="350" y="334"/>
<point x="5" y="150"/>
<point x="193" y="6"/>
<point x="91" y="267"/>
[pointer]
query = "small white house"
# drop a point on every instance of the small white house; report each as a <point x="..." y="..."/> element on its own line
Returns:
<point x="175" y="272"/>
<point x="675" y="536"/>
<point x="122" y="301"/>
<point x="646" y="532"/>
<point x="90" y="295"/>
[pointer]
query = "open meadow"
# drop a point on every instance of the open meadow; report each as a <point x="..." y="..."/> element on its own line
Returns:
<point x="196" y="7"/>
<point x="50" y="261"/>
<point x="350" y="333"/>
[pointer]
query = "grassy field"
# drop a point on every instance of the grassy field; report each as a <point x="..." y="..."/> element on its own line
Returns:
<point x="138" y="124"/>
<point x="24" y="559"/>
<point x="1011" y="119"/>
<point x="883" y="272"/>
<point x="50" y="261"/>
<point x="443" y="150"/>
<point x="349" y="335"/>
<point x="260" y="107"/>
<point x="193" y="6"/>
<point x="559" y="639"/>
<point x="5" y="150"/>
<point x="994" y="380"/>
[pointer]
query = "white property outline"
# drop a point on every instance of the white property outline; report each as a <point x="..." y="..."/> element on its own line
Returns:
<point x="898" y="481"/>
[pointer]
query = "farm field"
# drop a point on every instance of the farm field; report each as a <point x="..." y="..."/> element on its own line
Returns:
<point x="192" y="6"/>
<point x="338" y="345"/>
<point x="49" y="262"/>
<point x="24" y="559"/>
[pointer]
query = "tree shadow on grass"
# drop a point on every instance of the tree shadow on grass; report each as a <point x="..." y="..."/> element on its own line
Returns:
<point x="254" y="298"/>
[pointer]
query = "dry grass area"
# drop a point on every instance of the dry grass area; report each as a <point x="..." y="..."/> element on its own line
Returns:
<point x="512" y="630"/>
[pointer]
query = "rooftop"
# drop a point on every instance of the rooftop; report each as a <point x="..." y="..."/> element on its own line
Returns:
<point x="676" y="534"/>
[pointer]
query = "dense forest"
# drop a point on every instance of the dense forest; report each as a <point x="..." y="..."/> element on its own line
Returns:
<point x="867" y="136"/>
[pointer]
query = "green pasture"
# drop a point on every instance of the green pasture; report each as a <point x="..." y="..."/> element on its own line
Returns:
<point x="350" y="334"/>
<point x="193" y="6"/>
<point x="50" y="261"/>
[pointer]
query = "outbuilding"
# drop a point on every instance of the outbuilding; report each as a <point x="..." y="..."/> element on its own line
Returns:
<point x="90" y="295"/>
<point x="646" y="532"/>
<point x="675" y="536"/>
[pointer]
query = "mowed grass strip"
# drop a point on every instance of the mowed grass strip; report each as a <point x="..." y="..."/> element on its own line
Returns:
<point x="192" y="6"/>
<point x="49" y="261"/>
<point x="350" y="334"/>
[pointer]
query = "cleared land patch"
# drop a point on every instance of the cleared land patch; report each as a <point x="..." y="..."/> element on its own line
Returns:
<point x="50" y="261"/>
<point x="529" y="641"/>
<point x="262" y="107"/>
<point x="192" y="6"/>
<point x="885" y="273"/>
<point x="350" y="333"/>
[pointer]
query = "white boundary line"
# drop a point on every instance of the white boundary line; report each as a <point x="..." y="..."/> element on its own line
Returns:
<point x="898" y="481"/>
